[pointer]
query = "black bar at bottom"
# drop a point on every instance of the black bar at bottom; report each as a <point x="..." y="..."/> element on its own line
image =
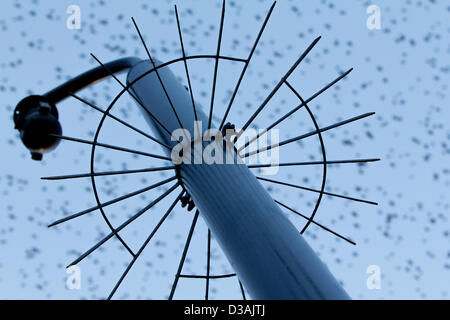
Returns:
<point x="220" y="309"/>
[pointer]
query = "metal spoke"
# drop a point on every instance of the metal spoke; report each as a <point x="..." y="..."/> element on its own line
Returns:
<point x="277" y="87"/>
<point x="183" y="256"/>
<point x="107" y="173"/>
<point x="136" y="256"/>
<point x="208" y="265"/>
<point x="104" y="204"/>
<point x="297" y="108"/>
<point x="185" y="63"/>
<point x="316" y="223"/>
<point x="109" y="146"/>
<point x="338" y="124"/>
<point x="123" y="225"/>
<point x="307" y="163"/>
<point x="242" y="291"/>
<point x="195" y="276"/>
<point x="216" y="65"/>
<point x="236" y="88"/>
<point x="157" y="73"/>
<point x="120" y="121"/>
<point x="317" y="191"/>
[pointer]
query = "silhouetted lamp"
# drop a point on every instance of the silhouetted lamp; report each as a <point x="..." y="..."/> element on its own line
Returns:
<point x="36" y="117"/>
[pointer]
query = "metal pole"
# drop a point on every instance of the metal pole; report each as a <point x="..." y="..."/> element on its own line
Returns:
<point x="270" y="257"/>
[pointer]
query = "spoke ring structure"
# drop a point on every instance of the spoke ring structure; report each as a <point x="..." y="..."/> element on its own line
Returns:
<point x="178" y="181"/>
<point x="153" y="69"/>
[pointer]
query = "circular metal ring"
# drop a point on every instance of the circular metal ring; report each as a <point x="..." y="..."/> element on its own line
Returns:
<point x="128" y="86"/>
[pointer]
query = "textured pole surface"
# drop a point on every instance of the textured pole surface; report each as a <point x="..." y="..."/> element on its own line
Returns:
<point x="270" y="257"/>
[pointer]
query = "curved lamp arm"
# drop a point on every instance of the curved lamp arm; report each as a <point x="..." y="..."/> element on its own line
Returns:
<point x="89" y="77"/>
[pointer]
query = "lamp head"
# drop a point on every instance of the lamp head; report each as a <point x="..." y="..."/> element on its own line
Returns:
<point x="36" y="118"/>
